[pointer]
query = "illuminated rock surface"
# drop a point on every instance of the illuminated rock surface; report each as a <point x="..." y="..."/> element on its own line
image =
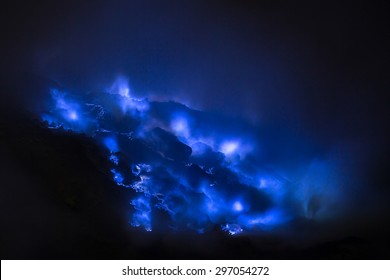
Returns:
<point x="60" y="200"/>
<point x="202" y="170"/>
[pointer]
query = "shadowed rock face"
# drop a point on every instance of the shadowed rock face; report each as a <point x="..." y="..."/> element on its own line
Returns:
<point x="168" y="145"/>
<point x="56" y="202"/>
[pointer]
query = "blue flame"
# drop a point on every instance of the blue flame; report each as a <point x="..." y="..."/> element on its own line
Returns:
<point x="229" y="148"/>
<point x="142" y="216"/>
<point x="121" y="87"/>
<point x="232" y="229"/>
<point x="197" y="172"/>
<point x="118" y="178"/>
<point x="111" y="144"/>
<point x="237" y="206"/>
<point x="114" y="159"/>
<point x="180" y="127"/>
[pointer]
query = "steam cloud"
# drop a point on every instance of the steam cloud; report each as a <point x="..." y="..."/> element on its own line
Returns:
<point x="193" y="169"/>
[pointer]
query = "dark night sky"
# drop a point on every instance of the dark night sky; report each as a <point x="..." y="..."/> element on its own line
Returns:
<point x="309" y="64"/>
<point x="318" y="70"/>
<point x="315" y="70"/>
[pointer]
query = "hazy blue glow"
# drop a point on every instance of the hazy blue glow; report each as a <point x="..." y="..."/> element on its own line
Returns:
<point x="180" y="127"/>
<point x="142" y="215"/>
<point x="114" y="159"/>
<point x="111" y="144"/>
<point x="121" y="87"/>
<point x="73" y="115"/>
<point x="118" y="178"/>
<point x="229" y="148"/>
<point x="237" y="206"/>
<point x="266" y="220"/>
<point x="232" y="229"/>
<point x="192" y="170"/>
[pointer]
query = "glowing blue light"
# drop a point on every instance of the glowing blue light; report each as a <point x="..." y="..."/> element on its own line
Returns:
<point x="266" y="220"/>
<point x="217" y="185"/>
<point x="135" y="169"/>
<point x="142" y="215"/>
<point x="232" y="229"/>
<point x="142" y="185"/>
<point x="270" y="184"/>
<point x="180" y="127"/>
<point x="145" y="167"/>
<point x="263" y="183"/>
<point x="229" y="147"/>
<point x="64" y="104"/>
<point x="111" y="144"/>
<point x="118" y="178"/>
<point x="237" y="206"/>
<point x="121" y="87"/>
<point x="124" y="91"/>
<point x="114" y="159"/>
<point x="73" y="115"/>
